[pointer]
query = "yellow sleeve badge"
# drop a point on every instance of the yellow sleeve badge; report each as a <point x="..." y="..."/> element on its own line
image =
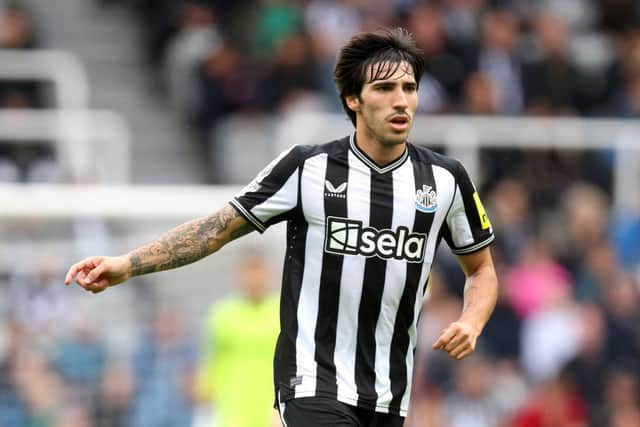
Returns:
<point x="484" y="219"/>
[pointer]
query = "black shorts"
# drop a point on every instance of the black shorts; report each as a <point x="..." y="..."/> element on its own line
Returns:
<point x="323" y="411"/>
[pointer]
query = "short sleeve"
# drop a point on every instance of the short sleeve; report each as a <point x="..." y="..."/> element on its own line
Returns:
<point x="467" y="227"/>
<point x="273" y="193"/>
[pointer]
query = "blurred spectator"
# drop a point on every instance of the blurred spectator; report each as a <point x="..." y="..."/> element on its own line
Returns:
<point x="290" y="77"/>
<point x="275" y="21"/>
<point x="433" y="370"/>
<point x="555" y="402"/>
<point x="480" y="97"/>
<point x="584" y="224"/>
<point x="621" y="302"/>
<point x="544" y="354"/>
<point x="445" y="70"/>
<point x="196" y="37"/>
<point x="240" y="336"/>
<point x="624" y="98"/>
<point x="499" y="61"/>
<point x="624" y="234"/>
<point x="599" y="268"/>
<point x="588" y="367"/>
<point x="536" y="279"/>
<point x="40" y="387"/>
<point x="621" y="404"/>
<point x="80" y="357"/>
<point x="163" y="364"/>
<point x="540" y="291"/>
<point x="13" y="410"/>
<point x="17" y="158"/>
<point x="330" y="24"/>
<point x="441" y="307"/>
<point x="510" y="388"/>
<point x="73" y="416"/>
<point x="501" y="336"/>
<point x="112" y="403"/>
<point x="37" y="300"/>
<point x="510" y="209"/>
<point x="550" y="81"/>
<point x="471" y="402"/>
<point x="17" y="32"/>
<point x="228" y="84"/>
<point x="461" y="17"/>
<point x="159" y="26"/>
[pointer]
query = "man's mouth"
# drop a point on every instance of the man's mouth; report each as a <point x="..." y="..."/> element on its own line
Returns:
<point x="399" y="122"/>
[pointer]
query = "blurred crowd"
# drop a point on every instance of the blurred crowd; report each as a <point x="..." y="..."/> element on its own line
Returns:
<point x="563" y="345"/>
<point x="535" y="57"/>
<point x="32" y="162"/>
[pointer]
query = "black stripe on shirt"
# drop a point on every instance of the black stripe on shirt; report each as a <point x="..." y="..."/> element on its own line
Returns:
<point x="284" y="363"/>
<point x="335" y="204"/>
<point x="423" y="175"/>
<point x="381" y="218"/>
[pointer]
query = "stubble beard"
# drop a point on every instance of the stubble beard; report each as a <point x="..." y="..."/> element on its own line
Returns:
<point x="391" y="138"/>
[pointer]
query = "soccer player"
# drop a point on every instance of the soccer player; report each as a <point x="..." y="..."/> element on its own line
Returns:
<point x="365" y="215"/>
<point x="240" y="333"/>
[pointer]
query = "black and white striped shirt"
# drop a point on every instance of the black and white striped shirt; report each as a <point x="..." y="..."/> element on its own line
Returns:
<point x="361" y="239"/>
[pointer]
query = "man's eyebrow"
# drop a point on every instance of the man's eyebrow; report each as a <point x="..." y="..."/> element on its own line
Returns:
<point x="391" y="82"/>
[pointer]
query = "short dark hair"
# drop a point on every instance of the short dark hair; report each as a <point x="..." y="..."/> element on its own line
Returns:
<point x="392" y="46"/>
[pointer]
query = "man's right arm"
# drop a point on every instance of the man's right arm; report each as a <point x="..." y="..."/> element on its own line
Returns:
<point x="183" y="245"/>
<point x="189" y="242"/>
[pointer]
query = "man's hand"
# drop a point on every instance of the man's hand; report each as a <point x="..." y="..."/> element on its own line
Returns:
<point x="480" y="295"/>
<point x="458" y="339"/>
<point x="95" y="274"/>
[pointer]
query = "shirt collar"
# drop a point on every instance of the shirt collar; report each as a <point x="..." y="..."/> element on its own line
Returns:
<point x="373" y="165"/>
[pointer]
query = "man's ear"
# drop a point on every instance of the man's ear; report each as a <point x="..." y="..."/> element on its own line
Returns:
<point x="353" y="102"/>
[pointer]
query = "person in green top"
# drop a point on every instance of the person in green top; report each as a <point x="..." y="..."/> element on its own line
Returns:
<point x="240" y="334"/>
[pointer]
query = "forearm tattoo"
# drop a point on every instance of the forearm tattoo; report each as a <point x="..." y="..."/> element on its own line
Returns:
<point x="187" y="243"/>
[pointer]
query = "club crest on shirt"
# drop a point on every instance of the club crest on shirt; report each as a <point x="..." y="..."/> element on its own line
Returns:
<point x="426" y="199"/>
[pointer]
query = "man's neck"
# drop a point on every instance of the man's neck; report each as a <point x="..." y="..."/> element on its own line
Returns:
<point x="381" y="154"/>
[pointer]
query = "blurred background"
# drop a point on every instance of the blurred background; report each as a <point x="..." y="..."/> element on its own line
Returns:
<point x="120" y="119"/>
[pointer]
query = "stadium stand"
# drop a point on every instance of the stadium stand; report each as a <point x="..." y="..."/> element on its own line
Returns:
<point x="211" y="90"/>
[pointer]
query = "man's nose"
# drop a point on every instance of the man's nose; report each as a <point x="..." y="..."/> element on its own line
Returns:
<point x="400" y="99"/>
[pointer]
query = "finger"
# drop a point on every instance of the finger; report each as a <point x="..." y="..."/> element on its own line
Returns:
<point x="464" y="354"/>
<point x="86" y="263"/>
<point x="84" y="281"/>
<point x="456" y="342"/>
<point x="95" y="273"/>
<point x="99" y="286"/>
<point x="446" y="336"/>
<point x="459" y="350"/>
<point x="82" y="278"/>
<point x="73" y="270"/>
<point x="91" y="287"/>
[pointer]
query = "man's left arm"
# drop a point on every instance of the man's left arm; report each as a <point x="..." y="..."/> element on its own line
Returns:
<point x="480" y="296"/>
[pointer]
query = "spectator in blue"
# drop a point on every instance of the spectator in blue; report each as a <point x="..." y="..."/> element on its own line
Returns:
<point x="13" y="411"/>
<point x="162" y="366"/>
<point x="80" y="359"/>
